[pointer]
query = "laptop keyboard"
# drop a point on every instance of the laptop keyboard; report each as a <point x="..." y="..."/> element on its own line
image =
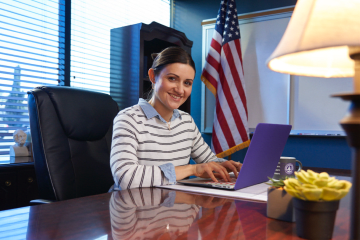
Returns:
<point x="223" y="184"/>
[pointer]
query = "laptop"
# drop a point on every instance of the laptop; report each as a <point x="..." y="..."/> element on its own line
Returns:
<point x="261" y="159"/>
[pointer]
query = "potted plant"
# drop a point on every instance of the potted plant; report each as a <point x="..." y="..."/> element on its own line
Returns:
<point x="279" y="204"/>
<point x="316" y="200"/>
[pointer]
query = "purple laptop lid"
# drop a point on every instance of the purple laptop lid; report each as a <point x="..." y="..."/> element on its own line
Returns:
<point x="263" y="154"/>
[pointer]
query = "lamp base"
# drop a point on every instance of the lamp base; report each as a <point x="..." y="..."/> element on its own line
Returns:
<point x="351" y="125"/>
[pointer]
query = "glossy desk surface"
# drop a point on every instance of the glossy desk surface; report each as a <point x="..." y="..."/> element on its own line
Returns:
<point x="153" y="213"/>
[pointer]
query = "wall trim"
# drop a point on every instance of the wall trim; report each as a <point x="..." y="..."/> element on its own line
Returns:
<point x="274" y="11"/>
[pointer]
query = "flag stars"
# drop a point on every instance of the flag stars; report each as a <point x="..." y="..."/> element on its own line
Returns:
<point x="226" y="21"/>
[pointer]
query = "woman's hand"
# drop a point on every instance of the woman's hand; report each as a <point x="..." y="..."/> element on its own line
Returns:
<point x="232" y="166"/>
<point x="210" y="170"/>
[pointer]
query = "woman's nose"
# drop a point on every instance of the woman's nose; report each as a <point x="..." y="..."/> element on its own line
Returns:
<point x="179" y="88"/>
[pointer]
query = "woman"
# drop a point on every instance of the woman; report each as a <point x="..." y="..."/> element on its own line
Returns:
<point x="153" y="141"/>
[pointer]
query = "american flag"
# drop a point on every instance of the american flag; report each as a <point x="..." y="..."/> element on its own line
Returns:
<point x="223" y="75"/>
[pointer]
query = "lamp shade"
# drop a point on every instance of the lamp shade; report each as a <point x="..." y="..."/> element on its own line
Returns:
<point x="318" y="39"/>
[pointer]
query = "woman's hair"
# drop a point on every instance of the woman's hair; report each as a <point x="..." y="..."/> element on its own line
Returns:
<point x="170" y="55"/>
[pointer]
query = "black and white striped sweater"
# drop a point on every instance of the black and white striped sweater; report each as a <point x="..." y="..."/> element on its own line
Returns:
<point x="141" y="145"/>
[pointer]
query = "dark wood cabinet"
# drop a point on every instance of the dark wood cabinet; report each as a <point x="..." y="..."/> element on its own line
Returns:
<point x="27" y="187"/>
<point x="17" y="185"/>
<point x="130" y="58"/>
<point x="8" y="185"/>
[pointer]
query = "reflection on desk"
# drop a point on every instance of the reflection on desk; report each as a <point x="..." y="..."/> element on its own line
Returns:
<point x="146" y="214"/>
<point x="160" y="214"/>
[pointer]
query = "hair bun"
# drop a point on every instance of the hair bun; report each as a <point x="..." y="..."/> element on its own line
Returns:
<point x="154" y="55"/>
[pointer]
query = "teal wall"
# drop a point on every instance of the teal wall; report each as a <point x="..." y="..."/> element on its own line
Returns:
<point x="326" y="152"/>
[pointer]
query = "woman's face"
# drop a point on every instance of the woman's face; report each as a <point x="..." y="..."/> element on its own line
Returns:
<point x="172" y="86"/>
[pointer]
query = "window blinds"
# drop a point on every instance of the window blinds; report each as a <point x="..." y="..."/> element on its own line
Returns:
<point x="91" y="22"/>
<point x="31" y="37"/>
<point x="32" y="47"/>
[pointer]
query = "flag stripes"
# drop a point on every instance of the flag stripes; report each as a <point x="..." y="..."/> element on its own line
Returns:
<point x="223" y="74"/>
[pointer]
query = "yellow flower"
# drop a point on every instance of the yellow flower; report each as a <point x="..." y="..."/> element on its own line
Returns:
<point x="331" y="194"/>
<point x="312" y="194"/>
<point x="314" y="186"/>
<point x="293" y="193"/>
<point x="292" y="183"/>
<point x="312" y="176"/>
<point x="321" y="182"/>
<point x="302" y="176"/>
<point x="324" y="175"/>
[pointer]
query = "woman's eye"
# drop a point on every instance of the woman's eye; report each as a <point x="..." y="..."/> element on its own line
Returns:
<point x="188" y="83"/>
<point x="171" y="78"/>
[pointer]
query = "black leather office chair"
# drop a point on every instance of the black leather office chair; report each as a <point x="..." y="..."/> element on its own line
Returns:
<point x="71" y="131"/>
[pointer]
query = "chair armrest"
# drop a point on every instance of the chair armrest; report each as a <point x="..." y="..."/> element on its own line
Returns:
<point x="40" y="201"/>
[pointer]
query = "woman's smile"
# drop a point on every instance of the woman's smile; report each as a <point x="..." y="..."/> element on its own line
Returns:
<point x="177" y="98"/>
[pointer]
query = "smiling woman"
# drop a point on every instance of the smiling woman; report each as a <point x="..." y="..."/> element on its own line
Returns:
<point x="172" y="75"/>
<point x="153" y="141"/>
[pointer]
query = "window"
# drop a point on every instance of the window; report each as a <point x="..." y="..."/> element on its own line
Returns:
<point x="91" y="22"/>
<point x="30" y="41"/>
<point x="32" y="49"/>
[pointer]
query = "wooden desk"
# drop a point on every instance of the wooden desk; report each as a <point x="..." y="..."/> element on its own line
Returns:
<point x="161" y="214"/>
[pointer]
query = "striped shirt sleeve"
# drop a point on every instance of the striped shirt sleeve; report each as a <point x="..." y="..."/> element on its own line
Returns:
<point x="201" y="152"/>
<point x="124" y="163"/>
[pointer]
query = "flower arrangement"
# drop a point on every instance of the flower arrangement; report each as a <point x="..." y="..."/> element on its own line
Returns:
<point x="312" y="186"/>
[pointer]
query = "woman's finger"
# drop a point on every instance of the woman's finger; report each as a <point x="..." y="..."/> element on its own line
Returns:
<point x="231" y="166"/>
<point x="209" y="171"/>
<point x="222" y="171"/>
<point x="237" y="165"/>
<point x="228" y="167"/>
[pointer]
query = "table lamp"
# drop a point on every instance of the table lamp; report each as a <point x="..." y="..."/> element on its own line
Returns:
<point x="323" y="40"/>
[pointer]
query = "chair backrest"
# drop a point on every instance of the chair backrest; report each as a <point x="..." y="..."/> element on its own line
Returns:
<point x="71" y="131"/>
